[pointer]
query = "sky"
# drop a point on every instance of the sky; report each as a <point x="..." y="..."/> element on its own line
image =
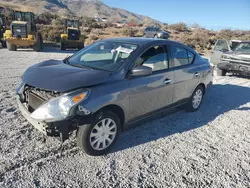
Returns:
<point x="211" y="14"/>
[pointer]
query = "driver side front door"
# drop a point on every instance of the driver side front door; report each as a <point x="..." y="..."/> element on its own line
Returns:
<point x="154" y="92"/>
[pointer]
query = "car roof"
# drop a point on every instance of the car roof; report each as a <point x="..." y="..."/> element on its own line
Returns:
<point x="141" y="40"/>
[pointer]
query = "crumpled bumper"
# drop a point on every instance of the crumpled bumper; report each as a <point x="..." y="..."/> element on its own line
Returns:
<point x="55" y="129"/>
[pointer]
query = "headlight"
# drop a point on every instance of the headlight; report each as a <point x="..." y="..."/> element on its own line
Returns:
<point x="59" y="108"/>
<point x="224" y="56"/>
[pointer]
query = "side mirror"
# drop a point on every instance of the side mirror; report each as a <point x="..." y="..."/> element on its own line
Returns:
<point x="141" y="71"/>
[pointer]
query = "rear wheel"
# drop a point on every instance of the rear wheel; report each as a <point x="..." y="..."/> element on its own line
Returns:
<point x="96" y="139"/>
<point x="81" y="46"/>
<point x="195" y="101"/>
<point x="39" y="43"/>
<point x="62" y="46"/>
<point x="221" y="72"/>
<point x="11" y="47"/>
<point x="4" y="45"/>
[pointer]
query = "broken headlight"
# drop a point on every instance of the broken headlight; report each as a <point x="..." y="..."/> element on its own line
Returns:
<point x="59" y="108"/>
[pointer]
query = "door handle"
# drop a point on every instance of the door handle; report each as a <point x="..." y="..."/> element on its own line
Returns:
<point x="167" y="81"/>
<point x="197" y="74"/>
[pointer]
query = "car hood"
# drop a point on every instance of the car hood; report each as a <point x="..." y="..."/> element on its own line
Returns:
<point x="239" y="55"/>
<point x="54" y="75"/>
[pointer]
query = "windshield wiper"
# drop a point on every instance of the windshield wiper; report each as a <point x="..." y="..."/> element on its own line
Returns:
<point x="81" y="66"/>
<point x="66" y="59"/>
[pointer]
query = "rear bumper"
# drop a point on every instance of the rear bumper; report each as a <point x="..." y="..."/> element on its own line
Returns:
<point x="234" y="67"/>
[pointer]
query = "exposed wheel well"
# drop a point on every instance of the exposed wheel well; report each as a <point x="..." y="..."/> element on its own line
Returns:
<point x="117" y="110"/>
<point x="203" y="86"/>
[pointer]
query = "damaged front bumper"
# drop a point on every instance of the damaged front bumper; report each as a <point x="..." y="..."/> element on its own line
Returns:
<point x="60" y="129"/>
<point x="234" y="66"/>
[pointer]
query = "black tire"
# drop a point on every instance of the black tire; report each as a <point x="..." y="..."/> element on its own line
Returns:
<point x="190" y="106"/>
<point x="41" y="40"/>
<point x="84" y="132"/>
<point x="62" y="46"/>
<point x="4" y="45"/>
<point x="39" y="43"/>
<point x="81" y="46"/>
<point x="221" y="72"/>
<point x="11" y="47"/>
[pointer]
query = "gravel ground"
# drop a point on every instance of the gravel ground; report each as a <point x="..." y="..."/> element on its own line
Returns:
<point x="208" y="148"/>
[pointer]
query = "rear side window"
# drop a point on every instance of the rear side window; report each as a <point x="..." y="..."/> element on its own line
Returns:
<point x="181" y="56"/>
<point x="190" y="56"/>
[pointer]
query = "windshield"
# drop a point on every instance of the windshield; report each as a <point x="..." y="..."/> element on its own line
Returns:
<point x="243" y="47"/>
<point x="22" y="16"/>
<point x="72" y="23"/>
<point x="108" y="56"/>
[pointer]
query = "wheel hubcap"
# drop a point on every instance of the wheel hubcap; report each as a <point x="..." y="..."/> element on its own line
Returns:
<point x="197" y="98"/>
<point x="103" y="134"/>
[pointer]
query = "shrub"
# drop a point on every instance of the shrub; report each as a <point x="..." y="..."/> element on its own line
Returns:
<point x="178" y="27"/>
<point x="130" y="32"/>
<point x="93" y="37"/>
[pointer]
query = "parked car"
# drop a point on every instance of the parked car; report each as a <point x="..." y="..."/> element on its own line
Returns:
<point x="236" y="61"/>
<point x="156" y="32"/>
<point x="106" y="87"/>
<point x="220" y="47"/>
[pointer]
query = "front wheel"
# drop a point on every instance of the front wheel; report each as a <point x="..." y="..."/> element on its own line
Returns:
<point x="96" y="139"/>
<point x="195" y="101"/>
<point x="11" y="47"/>
<point x="221" y="72"/>
<point x="62" y="46"/>
<point x="4" y="45"/>
<point x="81" y="46"/>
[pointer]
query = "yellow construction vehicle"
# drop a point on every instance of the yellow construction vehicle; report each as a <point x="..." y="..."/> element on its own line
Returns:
<point x="2" y="28"/>
<point x="23" y="32"/>
<point x="71" y="38"/>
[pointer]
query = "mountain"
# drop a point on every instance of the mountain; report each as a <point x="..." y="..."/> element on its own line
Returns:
<point x="88" y="8"/>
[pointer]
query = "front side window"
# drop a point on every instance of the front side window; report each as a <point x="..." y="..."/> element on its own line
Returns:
<point x="155" y="58"/>
<point x="108" y="56"/>
<point x="181" y="56"/>
<point x="221" y="45"/>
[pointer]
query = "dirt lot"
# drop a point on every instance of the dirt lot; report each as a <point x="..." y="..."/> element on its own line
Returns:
<point x="209" y="148"/>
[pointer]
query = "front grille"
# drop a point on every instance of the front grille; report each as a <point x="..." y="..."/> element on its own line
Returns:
<point x="34" y="97"/>
<point x="19" y="30"/>
<point x="73" y="34"/>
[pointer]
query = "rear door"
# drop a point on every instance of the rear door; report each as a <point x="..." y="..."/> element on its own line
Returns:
<point x="186" y="73"/>
<point x="220" y="47"/>
<point x="153" y="92"/>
